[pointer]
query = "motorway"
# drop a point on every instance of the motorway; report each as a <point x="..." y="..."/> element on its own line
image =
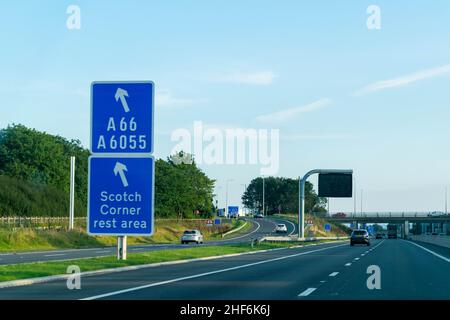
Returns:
<point x="260" y="228"/>
<point x="325" y="271"/>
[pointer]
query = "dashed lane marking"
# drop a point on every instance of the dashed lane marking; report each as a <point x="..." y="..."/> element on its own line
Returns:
<point x="307" y="292"/>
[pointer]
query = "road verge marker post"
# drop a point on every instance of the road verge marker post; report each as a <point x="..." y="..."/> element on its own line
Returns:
<point x="72" y="193"/>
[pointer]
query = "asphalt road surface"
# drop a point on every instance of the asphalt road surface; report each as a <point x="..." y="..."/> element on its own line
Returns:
<point x="327" y="271"/>
<point x="260" y="228"/>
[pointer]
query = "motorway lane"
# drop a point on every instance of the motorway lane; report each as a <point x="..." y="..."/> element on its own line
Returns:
<point x="325" y="271"/>
<point x="260" y="228"/>
<point x="276" y="274"/>
<point x="407" y="272"/>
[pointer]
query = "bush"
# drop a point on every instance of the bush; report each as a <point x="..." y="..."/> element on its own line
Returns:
<point x="29" y="199"/>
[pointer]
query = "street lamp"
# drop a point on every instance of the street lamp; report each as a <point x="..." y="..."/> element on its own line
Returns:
<point x="361" y="202"/>
<point x="264" y="194"/>
<point x="245" y="189"/>
<point x="354" y="196"/>
<point x="217" y="200"/>
<point x="226" y="197"/>
<point x="445" y="200"/>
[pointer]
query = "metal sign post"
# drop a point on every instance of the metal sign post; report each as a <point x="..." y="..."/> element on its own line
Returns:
<point x="122" y="248"/>
<point x="302" y="183"/>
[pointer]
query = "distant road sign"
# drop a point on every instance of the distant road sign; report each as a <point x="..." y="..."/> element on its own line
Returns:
<point x="122" y="115"/>
<point x="233" y="211"/>
<point x="327" y="227"/>
<point x="216" y="221"/>
<point x="335" y="185"/>
<point x="120" y="196"/>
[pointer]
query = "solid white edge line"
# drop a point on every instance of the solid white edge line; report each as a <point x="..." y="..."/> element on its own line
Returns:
<point x="307" y="292"/>
<point x="429" y="251"/>
<point x="113" y="293"/>
<point x="243" y="236"/>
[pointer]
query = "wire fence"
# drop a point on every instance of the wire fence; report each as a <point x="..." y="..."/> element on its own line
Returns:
<point x="56" y="223"/>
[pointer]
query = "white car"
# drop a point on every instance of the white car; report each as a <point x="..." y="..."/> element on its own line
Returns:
<point x="436" y="214"/>
<point x="281" y="228"/>
<point x="192" y="236"/>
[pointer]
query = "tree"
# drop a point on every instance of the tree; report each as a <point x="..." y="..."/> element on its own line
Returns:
<point x="35" y="173"/>
<point x="182" y="189"/>
<point x="281" y="196"/>
<point x="43" y="159"/>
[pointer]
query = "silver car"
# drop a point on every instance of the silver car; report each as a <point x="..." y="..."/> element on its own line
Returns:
<point x="192" y="236"/>
<point x="281" y="228"/>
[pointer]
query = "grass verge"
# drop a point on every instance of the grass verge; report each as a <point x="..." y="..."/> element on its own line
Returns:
<point x="317" y="229"/>
<point x="166" y="231"/>
<point x="42" y="269"/>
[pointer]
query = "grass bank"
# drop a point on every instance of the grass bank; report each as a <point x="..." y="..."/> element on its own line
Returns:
<point x="42" y="269"/>
<point x="317" y="227"/>
<point x="166" y="231"/>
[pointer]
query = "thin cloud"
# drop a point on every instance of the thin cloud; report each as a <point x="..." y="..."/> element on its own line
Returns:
<point x="321" y="136"/>
<point x="403" y="81"/>
<point x="164" y="98"/>
<point x="288" y="114"/>
<point x="261" y="78"/>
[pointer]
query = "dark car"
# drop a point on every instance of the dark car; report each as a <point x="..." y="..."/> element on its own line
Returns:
<point x="360" y="236"/>
<point x="379" y="236"/>
<point x="339" y="215"/>
<point x="259" y="216"/>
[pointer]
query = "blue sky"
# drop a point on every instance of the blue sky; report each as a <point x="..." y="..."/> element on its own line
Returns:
<point x="380" y="98"/>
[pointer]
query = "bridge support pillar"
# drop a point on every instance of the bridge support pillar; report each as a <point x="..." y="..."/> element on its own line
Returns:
<point x="406" y="230"/>
<point x="355" y="224"/>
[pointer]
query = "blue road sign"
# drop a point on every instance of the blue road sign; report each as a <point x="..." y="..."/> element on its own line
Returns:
<point x="122" y="115"/>
<point x="216" y="221"/>
<point x="327" y="227"/>
<point x="233" y="210"/>
<point x="120" y="196"/>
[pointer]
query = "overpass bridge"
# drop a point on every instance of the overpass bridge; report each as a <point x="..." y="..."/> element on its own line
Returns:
<point x="428" y="222"/>
<point x="388" y="217"/>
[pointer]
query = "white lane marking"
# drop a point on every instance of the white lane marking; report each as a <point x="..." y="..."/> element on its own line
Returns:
<point x="48" y="251"/>
<point x="245" y="235"/>
<point x="356" y="259"/>
<point x="429" y="251"/>
<point x="363" y="254"/>
<point x="54" y="255"/>
<point x="307" y="292"/>
<point x="348" y="264"/>
<point x="109" y="294"/>
<point x="334" y="274"/>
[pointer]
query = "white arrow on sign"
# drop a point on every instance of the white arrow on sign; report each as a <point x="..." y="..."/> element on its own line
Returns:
<point x="120" y="169"/>
<point x="121" y="94"/>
